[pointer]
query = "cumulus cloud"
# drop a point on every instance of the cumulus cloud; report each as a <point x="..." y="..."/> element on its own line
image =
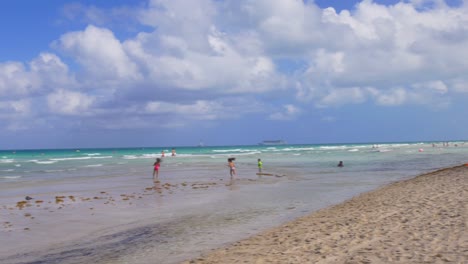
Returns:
<point x="15" y="80"/>
<point x="100" y="53"/>
<point x="44" y="72"/>
<point x="51" y="70"/>
<point x="69" y="103"/>
<point x="391" y="97"/>
<point x="386" y="47"/>
<point x="19" y="107"/>
<point x="15" y="114"/>
<point x="289" y="112"/>
<point x="459" y="85"/>
<point x="223" y="109"/>
<point x="344" y="96"/>
<point x="263" y="53"/>
<point x="203" y="110"/>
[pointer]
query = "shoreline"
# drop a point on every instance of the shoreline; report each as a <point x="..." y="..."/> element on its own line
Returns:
<point x="421" y="219"/>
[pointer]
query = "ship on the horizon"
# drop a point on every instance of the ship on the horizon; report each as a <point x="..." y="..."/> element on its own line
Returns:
<point x="272" y="142"/>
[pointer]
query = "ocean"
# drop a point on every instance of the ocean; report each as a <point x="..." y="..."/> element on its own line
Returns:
<point x="100" y="205"/>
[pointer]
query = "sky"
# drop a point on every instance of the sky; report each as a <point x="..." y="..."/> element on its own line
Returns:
<point x="148" y="73"/>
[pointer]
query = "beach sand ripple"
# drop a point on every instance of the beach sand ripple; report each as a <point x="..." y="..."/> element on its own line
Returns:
<point x="421" y="220"/>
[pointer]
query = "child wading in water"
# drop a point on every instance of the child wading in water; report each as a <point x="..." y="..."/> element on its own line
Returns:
<point x="232" y="167"/>
<point x="156" y="165"/>
<point x="260" y="165"/>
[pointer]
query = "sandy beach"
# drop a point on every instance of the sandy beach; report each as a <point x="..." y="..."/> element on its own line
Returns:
<point x="420" y="220"/>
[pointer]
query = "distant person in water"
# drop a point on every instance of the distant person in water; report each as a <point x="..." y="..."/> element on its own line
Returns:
<point x="340" y="164"/>
<point x="173" y="153"/>
<point x="260" y="165"/>
<point x="156" y="165"/>
<point x="232" y="166"/>
<point x="163" y="154"/>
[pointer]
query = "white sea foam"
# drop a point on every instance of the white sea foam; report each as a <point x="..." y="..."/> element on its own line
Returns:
<point x="10" y="177"/>
<point x="233" y="150"/>
<point x="46" y="162"/>
<point x="384" y="150"/>
<point x="333" y="147"/>
<point x="103" y="157"/>
<point x="150" y="156"/>
<point x="54" y="170"/>
<point x="304" y="149"/>
<point x="182" y="155"/>
<point x="7" y="160"/>
<point x="75" y="158"/>
<point x="8" y="170"/>
<point x="353" y="150"/>
<point x="94" y="165"/>
<point x="130" y="157"/>
<point x="225" y="150"/>
<point x="288" y="149"/>
<point x="246" y="153"/>
<point x="81" y="158"/>
<point x="297" y="149"/>
<point x="396" y="145"/>
<point x="93" y="154"/>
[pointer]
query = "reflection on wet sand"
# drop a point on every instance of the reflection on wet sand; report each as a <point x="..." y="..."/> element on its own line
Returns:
<point x="232" y="185"/>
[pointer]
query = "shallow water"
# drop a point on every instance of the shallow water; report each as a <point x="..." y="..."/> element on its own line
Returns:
<point x="200" y="209"/>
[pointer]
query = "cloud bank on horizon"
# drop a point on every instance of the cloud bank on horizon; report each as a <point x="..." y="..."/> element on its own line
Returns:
<point x="186" y="63"/>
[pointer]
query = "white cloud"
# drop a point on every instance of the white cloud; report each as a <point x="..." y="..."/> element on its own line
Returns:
<point x="18" y="107"/>
<point x="69" y="103"/>
<point x="180" y="114"/>
<point x="15" y="114"/>
<point x="343" y="96"/>
<point x="203" y="110"/>
<point x="100" y="53"/>
<point x="391" y="98"/>
<point x="44" y="72"/>
<point x="193" y="48"/>
<point x="386" y="47"/>
<point x="15" y="80"/>
<point x="51" y="70"/>
<point x="459" y="85"/>
<point x="223" y="65"/>
<point x="21" y="106"/>
<point x="438" y="87"/>
<point x="290" y="112"/>
<point x="192" y="55"/>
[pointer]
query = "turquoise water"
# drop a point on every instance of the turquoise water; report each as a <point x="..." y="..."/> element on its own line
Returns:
<point x="203" y="208"/>
<point x="387" y="159"/>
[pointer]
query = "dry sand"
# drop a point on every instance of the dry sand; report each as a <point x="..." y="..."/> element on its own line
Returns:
<point x="421" y="220"/>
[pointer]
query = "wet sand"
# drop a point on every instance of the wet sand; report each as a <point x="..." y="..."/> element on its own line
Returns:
<point x="420" y="220"/>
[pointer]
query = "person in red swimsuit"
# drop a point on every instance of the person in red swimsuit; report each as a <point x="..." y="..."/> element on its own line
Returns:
<point x="156" y="165"/>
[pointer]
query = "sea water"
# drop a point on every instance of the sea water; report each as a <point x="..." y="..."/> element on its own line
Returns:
<point x="202" y="207"/>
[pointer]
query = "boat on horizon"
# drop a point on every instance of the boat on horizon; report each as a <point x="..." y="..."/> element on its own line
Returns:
<point x="272" y="142"/>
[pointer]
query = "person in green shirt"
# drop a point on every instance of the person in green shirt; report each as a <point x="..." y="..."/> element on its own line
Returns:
<point x="260" y="165"/>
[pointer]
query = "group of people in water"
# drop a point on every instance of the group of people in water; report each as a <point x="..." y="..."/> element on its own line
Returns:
<point x="173" y="153"/>
<point x="231" y="165"/>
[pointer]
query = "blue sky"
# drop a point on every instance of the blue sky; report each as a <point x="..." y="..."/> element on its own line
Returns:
<point x="76" y="74"/>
